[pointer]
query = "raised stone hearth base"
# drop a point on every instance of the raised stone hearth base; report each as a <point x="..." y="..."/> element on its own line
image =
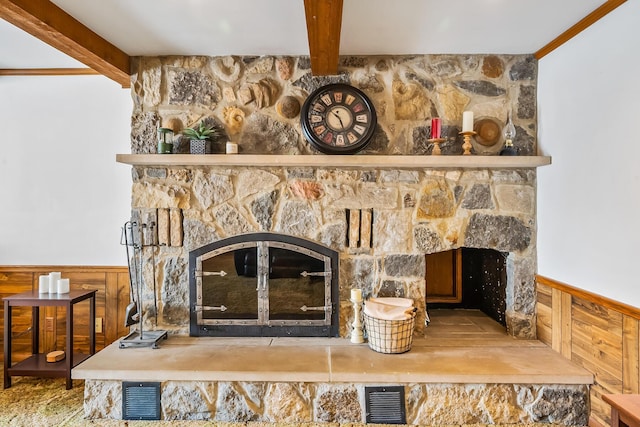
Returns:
<point x="426" y="404"/>
<point x="464" y="370"/>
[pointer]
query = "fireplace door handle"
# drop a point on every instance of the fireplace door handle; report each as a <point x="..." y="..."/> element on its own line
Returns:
<point x="210" y="308"/>
<point x="320" y="308"/>
<point x="320" y="273"/>
<point x="220" y="273"/>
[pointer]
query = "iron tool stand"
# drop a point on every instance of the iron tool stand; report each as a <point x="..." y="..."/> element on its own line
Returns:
<point x="133" y="236"/>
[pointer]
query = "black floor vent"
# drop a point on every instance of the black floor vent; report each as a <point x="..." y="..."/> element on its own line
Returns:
<point x="140" y="400"/>
<point x="385" y="405"/>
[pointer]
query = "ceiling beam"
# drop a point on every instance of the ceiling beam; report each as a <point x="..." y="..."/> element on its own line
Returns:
<point x="324" y="21"/>
<point x="580" y="26"/>
<point x="47" y="72"/>
<point x="52" y="25"/>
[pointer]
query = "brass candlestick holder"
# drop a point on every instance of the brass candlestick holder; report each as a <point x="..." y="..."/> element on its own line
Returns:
<point x="467" y="141"/>
<point x="436" y="145"/>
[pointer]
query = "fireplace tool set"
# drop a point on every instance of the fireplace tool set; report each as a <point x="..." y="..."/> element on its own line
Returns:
<point x="133" y="239"/>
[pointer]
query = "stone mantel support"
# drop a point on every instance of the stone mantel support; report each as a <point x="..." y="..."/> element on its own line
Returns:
<point x="336" y="161"/>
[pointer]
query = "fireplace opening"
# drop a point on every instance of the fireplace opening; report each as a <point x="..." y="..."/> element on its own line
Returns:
<point x="263" y="284"/>
<point x="468" y="278"/>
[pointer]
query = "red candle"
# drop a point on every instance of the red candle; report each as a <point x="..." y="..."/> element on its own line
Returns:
<point x="436" y="127"/>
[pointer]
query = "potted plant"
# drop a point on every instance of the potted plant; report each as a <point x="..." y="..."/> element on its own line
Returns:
<point x="201" y="137"/>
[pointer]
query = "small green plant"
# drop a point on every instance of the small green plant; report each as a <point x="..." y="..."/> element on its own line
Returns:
<point x="203" y="131"/>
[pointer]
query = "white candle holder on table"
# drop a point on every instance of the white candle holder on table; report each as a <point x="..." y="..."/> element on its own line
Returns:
<point x="357" y="333"/>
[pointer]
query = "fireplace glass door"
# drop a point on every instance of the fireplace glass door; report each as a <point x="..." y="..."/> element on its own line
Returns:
<point x="248" y="287"/>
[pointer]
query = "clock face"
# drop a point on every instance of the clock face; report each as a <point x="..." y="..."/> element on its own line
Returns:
<point x="338" y="119"/>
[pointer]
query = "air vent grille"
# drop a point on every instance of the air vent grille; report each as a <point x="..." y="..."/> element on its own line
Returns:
<point x="385" y="405"/>
<point x="140" y="400"/>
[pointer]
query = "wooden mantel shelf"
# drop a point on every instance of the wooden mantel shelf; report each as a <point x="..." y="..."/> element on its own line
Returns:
<point x="335" y="161"/>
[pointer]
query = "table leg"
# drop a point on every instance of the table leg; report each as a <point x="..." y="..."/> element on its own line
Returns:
<point x="7" y="344"/>
<point x="69" y="358"/>
<point x="35" y="330"/>
<point x="92" y="324"/>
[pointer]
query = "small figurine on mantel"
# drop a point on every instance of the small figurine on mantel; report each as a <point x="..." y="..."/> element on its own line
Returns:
<point x="509" y="133"/>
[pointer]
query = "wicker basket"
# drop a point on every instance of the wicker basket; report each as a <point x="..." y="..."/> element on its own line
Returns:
<point x="389" y="336"/>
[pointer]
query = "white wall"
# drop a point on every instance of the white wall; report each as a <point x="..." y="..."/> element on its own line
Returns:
<point x="589" y="198"/>
<point x="63" y="197"/>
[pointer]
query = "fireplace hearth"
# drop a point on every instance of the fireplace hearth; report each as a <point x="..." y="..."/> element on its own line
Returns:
<point x="263" y="284"/>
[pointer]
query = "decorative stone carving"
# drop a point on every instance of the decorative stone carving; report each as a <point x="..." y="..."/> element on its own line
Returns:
<point x="263" y="93"/>
<point x="233" y="119"/>
<point x="288" y="107"/>
<point x="226" y="68"/>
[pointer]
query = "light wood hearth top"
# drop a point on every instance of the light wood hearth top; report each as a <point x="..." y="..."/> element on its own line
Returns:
<point x="335" y="161"/>
<point x="468" y="349"/>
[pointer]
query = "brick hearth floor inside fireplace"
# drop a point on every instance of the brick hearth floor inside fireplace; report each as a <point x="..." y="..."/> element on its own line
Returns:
<point x="459" y="346"/>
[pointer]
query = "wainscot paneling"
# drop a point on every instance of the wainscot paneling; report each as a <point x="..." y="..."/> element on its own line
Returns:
<point x="599" y="334"/>
<point x="111" y="284"/>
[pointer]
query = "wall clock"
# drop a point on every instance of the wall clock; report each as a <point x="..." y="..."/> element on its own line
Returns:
<point x="338" y="119"/>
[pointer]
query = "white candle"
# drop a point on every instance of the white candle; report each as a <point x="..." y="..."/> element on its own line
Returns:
<point x="356" y="294"/>
<point x="63" y="286"/>
<point x="53" y="281"/>
<point x="467" y="121"/>
<point x="232" y="148"/>
<point x="43" y="284"/>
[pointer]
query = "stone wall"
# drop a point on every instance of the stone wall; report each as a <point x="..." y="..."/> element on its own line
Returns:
<point x="381" y="221"/>
<point x="403" y="214"/>
<point x="426" y="404"/>
<point x="254" y="98"/>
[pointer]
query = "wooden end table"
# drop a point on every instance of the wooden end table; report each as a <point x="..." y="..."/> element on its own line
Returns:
<point x="625" y="409"/>
<point x="36" y="365"/>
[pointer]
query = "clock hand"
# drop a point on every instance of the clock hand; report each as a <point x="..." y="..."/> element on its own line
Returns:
<point x="335" y="113"/>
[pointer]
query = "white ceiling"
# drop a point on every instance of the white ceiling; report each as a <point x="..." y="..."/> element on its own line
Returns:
<point x="277" y="27"/>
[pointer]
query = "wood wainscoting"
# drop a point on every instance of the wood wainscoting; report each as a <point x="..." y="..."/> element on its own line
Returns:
<point x="112" y="284"/>
<point x="599" y="334"/>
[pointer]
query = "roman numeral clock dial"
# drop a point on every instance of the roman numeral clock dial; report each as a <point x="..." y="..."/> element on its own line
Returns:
<point x="338" y="119"/>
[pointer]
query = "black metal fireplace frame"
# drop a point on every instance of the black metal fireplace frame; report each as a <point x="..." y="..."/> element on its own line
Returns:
<point x="331" y="330"/>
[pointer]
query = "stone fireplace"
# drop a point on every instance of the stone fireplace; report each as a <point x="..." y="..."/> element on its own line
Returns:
<point x="380" y="222"/>
<point x="375" y="215"/>
<point x="381" y="218"/>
